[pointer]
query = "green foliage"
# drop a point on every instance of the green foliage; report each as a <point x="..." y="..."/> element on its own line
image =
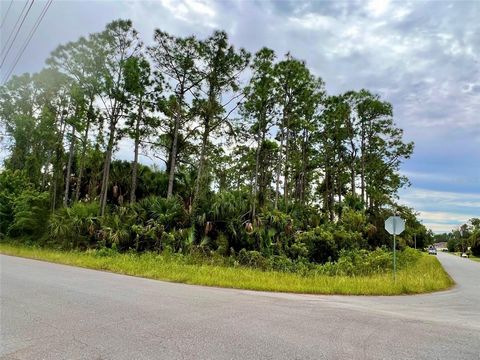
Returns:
<point x="116" y="228"/>
<point x="320" y="244"/>
<point x="12" y="184"/>
<point x="30" y="213"/>
<point x="252" y="259"/>
<point x="167" y="212"/>
<point x="364" y="263"/>
<point x="475" y="248"/>
<point x="227" y="217"/>
<point x="74" y="227"/>
<point x="425" y="275"/>
<point x="452" y="245"/>
<point x="297" y="180"/>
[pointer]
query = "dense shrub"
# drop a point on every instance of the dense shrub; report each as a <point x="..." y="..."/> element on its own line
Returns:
<point x="476" y="244"/>
<point x="12" y="184"/>
<point x="75" y="227"/>
<point x="228" y="214"/>
<point x="452" y="245"/>
<point x="116" y="229"/>
<point x="272" y="233"/>
<point x="349" y="262"/>
<point x="319" y="243"/>
<point x="363" y="262"/>
<point x="253" y="259"/>
<point x="30" y="213"/>
<point x="168" y="212"/>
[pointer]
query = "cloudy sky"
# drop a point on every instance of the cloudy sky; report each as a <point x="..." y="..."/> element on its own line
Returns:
<point x="422" y="56"/>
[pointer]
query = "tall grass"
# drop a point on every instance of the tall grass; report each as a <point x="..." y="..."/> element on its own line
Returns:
<point x="425" y="275"/>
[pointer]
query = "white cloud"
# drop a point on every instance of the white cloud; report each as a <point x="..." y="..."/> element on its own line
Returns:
<point x="438" y="217"/>
<point x="377" y="7"/>
<point x="442" y="198"/>
<point x="442" y="210"/>
<point x="439" y="228"/>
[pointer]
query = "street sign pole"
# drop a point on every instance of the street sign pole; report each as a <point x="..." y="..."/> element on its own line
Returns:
<point x="394" y="254"/>
<point x="395" y="225"/>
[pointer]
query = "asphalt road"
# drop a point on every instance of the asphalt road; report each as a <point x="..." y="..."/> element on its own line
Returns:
<point x="51" y="311"/>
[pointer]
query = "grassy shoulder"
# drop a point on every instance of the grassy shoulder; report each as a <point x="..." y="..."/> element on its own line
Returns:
<point x="426" y="275"/>
<point x="471" y="257"/>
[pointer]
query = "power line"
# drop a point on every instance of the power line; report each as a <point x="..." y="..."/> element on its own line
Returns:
<point x="30" y="35"/>
<point x="14" y="27"/>
<point x="5" y="16"/>
<point x="16" y="34"/>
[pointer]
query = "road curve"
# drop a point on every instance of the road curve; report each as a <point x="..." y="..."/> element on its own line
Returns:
<point x="51" y="311"/>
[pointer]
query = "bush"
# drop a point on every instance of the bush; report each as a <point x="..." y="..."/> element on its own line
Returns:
<point x="274" y="232"/>
<point x="228" y="214"/>
<point x="30" y="214"/>
<point x="363" y="262"/>
<point x="168" y="212"/>
<point x="475" y="249"/>
<point x="12" y="184"/>
<point x="452" y="245"/>
<point x="117" y="228"/>
<point x="252" y="259"/>
<point x="354" y="221"/>
<point x="76" y="226"/>
<point x="320" y="244"/>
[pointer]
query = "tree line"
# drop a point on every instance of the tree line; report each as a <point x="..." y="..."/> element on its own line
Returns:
<point x="238" y="139"/>
<point x="465" y="238"/>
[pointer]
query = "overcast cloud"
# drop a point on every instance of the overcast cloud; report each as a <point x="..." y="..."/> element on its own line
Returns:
<point x="423" y="57"/>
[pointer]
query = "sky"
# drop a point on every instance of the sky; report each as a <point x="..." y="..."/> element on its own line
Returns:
<point x="421" y="56"/>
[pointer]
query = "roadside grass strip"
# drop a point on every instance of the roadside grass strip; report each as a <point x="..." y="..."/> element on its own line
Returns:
<point x="426" y="275"/>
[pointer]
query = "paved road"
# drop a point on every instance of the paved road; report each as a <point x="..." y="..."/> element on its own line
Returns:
<point x="53" y="311"/>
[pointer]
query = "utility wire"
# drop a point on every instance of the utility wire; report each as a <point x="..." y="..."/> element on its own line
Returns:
<point x="30" y="35"/>
<point x="16" y="34"/>
<point x="6" y="13"/>
<point x="14" y="27"/>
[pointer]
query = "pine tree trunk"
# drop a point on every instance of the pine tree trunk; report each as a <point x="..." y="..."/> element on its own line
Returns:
<point x="285" y="184"/>
<point x="106" y="169"/>
<point x="255" y="181"/>
<point x="69" y="168"/>
<point x="362" y="165"/>
<point x="133" y="189"/>
<point x="352" y="167"/>
<point x="303" y="175"/>
<point x="173" y="154"/>
<point x="57" y="166"/>
<point x="201" y="163"/>
<point x="84" y="150"/>
<point x="279" y="166"/>
<point x="47" y="162"/>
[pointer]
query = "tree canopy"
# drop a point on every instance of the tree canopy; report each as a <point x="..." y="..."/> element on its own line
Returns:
<point x="250" y="151"/>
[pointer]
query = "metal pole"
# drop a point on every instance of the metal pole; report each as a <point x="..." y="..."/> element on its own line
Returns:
<point x="415" y="236"/>
<point x="394" y="260"/>
<point x="394" y="254"/>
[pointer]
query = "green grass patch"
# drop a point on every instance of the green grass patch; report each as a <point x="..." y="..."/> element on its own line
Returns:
<point x="425" y="275"/>
<point x="471" y="257"/>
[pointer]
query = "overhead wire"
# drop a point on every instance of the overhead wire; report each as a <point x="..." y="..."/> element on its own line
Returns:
<point x="6" y="13"/>
<point x="14" y="27"/>
<point x="16" y="33"/>
<point x="30" y="35"/>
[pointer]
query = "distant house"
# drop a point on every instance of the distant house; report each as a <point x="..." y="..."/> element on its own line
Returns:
<point x="441" y="246"/>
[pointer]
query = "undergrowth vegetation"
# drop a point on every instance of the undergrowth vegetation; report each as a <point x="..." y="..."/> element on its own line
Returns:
<point x="423" y="273"/>
<point x="262" y="173"/>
